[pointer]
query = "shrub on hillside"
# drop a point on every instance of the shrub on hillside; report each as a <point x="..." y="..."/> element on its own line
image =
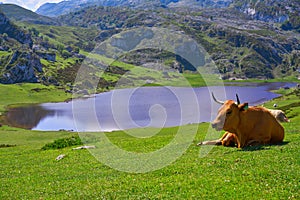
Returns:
<point x="62" y="143"/>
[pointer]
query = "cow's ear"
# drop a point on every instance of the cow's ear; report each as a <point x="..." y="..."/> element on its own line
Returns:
<point x="243" y="106"/>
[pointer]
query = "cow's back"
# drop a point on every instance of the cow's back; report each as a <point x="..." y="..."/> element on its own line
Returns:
<point x="277" y="131"/>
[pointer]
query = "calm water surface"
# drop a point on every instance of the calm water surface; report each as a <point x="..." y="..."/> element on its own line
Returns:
<point x="138" y="107"/>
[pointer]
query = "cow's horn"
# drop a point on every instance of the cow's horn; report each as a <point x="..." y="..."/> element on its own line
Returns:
<point x="237" y="99"/>
<point x="217" y="101"/>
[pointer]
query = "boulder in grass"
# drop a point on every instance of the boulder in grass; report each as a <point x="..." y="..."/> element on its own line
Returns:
<point x="84" y="147"/>
<point x="60" y="157"/>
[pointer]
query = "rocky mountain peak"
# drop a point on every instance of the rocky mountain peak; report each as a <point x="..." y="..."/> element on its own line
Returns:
<point x="13" y="31"/>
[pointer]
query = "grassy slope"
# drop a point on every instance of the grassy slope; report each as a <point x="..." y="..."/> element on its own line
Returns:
<point x="267" y="172"/>
<point x="27" y="93"/>
<point x="64" y="34"/>
<point x="138" y="75"/>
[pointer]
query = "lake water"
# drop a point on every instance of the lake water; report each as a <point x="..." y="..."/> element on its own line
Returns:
<point x="138" y="107"/>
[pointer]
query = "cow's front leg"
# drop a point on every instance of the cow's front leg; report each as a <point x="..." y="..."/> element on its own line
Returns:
<point x="229" y="140"/>
<point x="226" y="140"/>
<point x="210" y="142"/>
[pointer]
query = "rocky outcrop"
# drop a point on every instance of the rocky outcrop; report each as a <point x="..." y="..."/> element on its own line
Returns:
<point x="201" y="4"/>
<point x="23" y="67"/>
<point x="47" y="56"/>
<point x="277" y="11"/>
<point x="13" y="31"/>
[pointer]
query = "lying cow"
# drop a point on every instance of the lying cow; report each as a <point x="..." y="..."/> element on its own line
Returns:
<point x="279" y="115"/>
<point x="246" y="126"/>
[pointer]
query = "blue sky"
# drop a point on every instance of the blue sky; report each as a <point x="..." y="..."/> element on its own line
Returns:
<point x="30" y="4"/>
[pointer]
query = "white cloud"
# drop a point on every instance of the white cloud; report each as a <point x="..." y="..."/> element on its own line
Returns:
<point x="30" y="4"/>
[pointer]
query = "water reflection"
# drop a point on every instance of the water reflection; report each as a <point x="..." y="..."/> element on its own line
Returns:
<point x="27" y="117"/>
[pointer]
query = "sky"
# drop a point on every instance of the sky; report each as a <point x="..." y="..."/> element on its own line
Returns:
<point x="30" y="4"/>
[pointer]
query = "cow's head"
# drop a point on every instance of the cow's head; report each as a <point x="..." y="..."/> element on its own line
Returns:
<point x="228" y="116"/>
<point x="282" y="117"/>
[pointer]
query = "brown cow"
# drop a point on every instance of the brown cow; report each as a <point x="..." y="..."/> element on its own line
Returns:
<point x="246" y="126"/>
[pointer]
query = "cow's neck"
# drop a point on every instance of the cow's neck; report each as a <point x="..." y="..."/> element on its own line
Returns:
<point x="243" y="127"/>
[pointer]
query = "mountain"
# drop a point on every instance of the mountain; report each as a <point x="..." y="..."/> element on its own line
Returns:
<point x="56" y="9"/>
<point x="240" y="46"/>
<point x="277" y="11"/>
<point x="17" y="13"/>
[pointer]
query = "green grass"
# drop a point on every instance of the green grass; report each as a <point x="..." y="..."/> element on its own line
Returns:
<point x="97" y="57"/>
<point x="5" y="53"/>
<point x="283" y="79"/>
<point x="27" y="93"/>
<point x="139" y="76"/>
<point x="265" y="172"/>
<point x="60" y="63"/>
<point x="202" y="79"/>
<point x="65" y="34"/>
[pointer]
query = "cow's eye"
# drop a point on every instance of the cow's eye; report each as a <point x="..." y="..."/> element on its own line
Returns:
<point x="228" y="112"/>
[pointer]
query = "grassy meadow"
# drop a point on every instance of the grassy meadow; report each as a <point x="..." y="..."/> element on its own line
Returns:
<point x="28" y="172"/>
<point x="16" y="94"/>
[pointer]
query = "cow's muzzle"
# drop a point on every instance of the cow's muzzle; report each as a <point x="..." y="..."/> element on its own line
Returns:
<point x="216" y="126"/>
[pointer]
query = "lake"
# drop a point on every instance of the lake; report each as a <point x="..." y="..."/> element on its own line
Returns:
<point x="138" y="107"/>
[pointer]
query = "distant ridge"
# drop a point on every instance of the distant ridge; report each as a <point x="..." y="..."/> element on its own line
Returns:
<point x="64" y="7"/>
<point x="17" y="13"/>
<point x="277" y="11"/>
